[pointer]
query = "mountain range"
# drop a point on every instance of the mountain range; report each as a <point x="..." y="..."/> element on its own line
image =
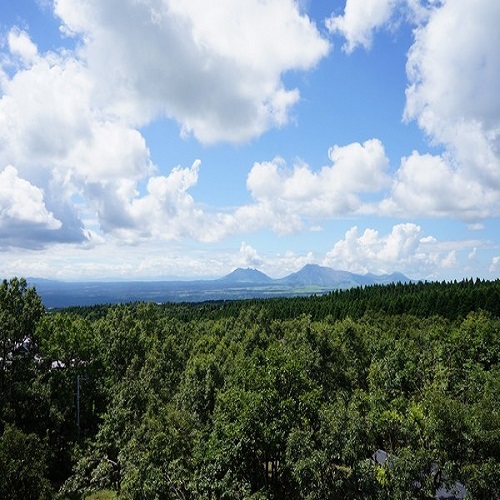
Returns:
<point x="239" y="284"/>
<point x="314" y="275"/>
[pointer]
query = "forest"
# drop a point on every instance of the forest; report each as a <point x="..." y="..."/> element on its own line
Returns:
<point x="283" y="398"/>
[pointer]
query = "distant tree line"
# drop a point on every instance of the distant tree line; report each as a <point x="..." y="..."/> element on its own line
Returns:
<point x="451" y="300"/>
<point x="277" y="398"/>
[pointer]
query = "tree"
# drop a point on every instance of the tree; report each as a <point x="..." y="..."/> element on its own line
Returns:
<point x="23" y="466"/>
<point x="20" y="311"/>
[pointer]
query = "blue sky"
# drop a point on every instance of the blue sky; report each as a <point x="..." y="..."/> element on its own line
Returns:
<point x="169" y="139"/>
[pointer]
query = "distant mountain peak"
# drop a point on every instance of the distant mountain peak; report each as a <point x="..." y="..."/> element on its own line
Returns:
<point x="313" y="267"/>
<point x="316" y="275"/>
<point x="247" y="275"/>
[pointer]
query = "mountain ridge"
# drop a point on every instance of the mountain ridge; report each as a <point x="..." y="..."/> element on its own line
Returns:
<point x="315" y="275"/>
<point x="246" y="275"/>
<point x="239" y="284"/>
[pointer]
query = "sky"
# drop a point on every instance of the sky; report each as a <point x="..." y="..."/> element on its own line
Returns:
<point x="167" y="139"/>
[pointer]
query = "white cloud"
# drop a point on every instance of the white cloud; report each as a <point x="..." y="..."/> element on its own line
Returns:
<point x="43" y="111"/>
<point x="61" y="143"/>
<point x="168" y="211"/>
<point x="363" y="18"/>
<point x="290" y="195"/>
<point x="68" y="121"/>
<point x="249" y="257"/>
<point x="214" y="66"/>
<point x="428" y="185"/>
<point x="23" y="213"/>
<point x="401" y="243"/>
<point x="449" y="260"/>
<point x="285" y="199"/>
<point x="405" y="249"/>
<point x="360" y="167"/>
<point x="362" y="252"/>
<point x="20" y="45"/>
<point x="472" y="255"/>
<point x="81" y="155"/>
<point x="360" y="19"/>
<point x="454" y="77"/>
<point x="69" y="118"/>
<point x="48" y="121"/>
<point x="20" y="201"/>
<point x="495" y="264"/>
<point x="453" y="81"/>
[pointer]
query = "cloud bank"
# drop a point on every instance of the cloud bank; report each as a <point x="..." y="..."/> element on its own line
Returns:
<point x="452" y="94"/>
<point x="215" y="66"/>
<point x="69" y="119"/>
<point x="75" y="167"/>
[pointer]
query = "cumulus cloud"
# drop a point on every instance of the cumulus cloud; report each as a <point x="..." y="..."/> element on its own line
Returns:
<point x="21" y="46"/>
<point x="48" y="122"/>
<point x="288" y="195"/>
<point x="22" y="202"/>
<point x="167" y="211"/>
<point x="454" y="77"/>
<point x="216" y="67"/>
<point x="453" y="80"/>
<point x="405" y="249"/>
<point x="23" y="213"/>
<point x="360" y="20"/>
<point x="287" y="199"/>
<point x="368" y="251"/>
<point x="428" y="185"/>
<point x="69" y="118"/>
<point x="60" y="142"/>
<point x="82" y="159"/>
<point x="249" y="257"/>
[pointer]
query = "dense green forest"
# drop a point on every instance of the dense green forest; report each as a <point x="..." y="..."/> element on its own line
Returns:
<point x="278" y="398"/>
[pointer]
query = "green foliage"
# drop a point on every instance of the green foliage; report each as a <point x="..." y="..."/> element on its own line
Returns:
<point x="280" y="398"/>
<point x="20" y="310"/>
<point x="102" y="495"/>
<point x="23" y="466"/>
